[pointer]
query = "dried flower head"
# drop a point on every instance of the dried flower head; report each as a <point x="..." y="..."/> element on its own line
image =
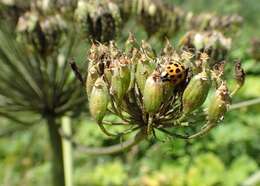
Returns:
<point x="101" y="20"/>
<point x="158" y="17"/>
<point x="44" y="33"/>
<point x="209" y="21"/>
<point x="214" y="43"/>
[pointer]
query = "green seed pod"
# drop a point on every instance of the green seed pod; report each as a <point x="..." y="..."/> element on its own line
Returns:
<point x="168" y="50"/>
<point x="125" y="74"/>
<point x="116" y="88"/>
<point x="196" y="92"/>
<point x="218" y="104"/>
<point x="148" y="50"/>
<point x="143" y="70"/>
<point x="130" y="44"/>
<point x="153" y="93"/>
<point x="99" y="100"/>
<point x="168" y="88"/>
<point x="134" y="61"/>
<point x="120" y="81"/>
<point x="91" y="79"/>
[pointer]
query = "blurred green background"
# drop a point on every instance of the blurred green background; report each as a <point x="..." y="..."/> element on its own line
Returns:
<point x="228" y="156"/>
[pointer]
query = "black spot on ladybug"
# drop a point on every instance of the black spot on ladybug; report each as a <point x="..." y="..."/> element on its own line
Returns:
<point x="177" y="70"/>
<point x="176" y="65"/>
<point x="165" y="79"/>
<point x="171" y="71"/>
<point x="165" y="76"/>
<point x="170" y="63"/>
<point x="172" y="76"/>
<point x="182" y="67"/>
<point x="168" y="67"/>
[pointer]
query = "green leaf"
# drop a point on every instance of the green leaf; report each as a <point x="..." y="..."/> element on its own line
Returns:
<point x="239" y="170"/>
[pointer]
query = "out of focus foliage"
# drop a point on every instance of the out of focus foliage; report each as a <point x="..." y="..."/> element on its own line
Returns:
<point x="226" y="157"/>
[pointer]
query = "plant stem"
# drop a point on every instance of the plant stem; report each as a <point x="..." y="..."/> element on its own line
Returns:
<point x="114" y="148"/>
<point x="67" y="151"/>
<point x="140" y="135"/>
<point x="58" y="177"/>
<point x="245" y="103"/>
<point x="203" y="131"/>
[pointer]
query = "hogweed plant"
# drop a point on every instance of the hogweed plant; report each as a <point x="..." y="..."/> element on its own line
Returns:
<point x="151" y="92"/>
<point x="36" y="80"/>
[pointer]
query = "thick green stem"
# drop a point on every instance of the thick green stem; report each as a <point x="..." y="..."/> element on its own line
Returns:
<point x="56" y="147"/>
<point x="67" y="152"/>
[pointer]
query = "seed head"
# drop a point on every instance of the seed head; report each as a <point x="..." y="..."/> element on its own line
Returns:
<point x="153" y="93"/>
<point x="196" y="92"/>
<point x="98" y="101"/>
<point x="218" y="104"/>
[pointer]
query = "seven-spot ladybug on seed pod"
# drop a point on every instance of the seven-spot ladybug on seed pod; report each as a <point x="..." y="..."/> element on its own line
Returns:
<point x="174" y="72"/>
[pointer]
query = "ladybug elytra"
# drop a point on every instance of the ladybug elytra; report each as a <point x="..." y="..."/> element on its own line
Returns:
<point x="174" y="72"/>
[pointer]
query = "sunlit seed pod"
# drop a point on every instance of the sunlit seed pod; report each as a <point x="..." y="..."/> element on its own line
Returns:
<point x="135" y="57"/>
<point x="120" y="81"/>
<point x="132" y="77"/>
<point x="153" y="93"/>
<point x="117" y="87"/>
<point x="125" y="74"/>
<point x="196" y="92"/>
<point x="143" y="70"/>
<point x="91" y="79"/>
<point x="99" y="100"/>
<point x="168" y="49"/>
<point x="218" y="104"/>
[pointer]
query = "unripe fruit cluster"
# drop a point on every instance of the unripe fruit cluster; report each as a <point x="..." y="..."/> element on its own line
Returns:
<point x="132" y="85"/>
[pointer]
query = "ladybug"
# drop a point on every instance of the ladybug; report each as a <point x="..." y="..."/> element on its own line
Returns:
<point x="174" y="72"/>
